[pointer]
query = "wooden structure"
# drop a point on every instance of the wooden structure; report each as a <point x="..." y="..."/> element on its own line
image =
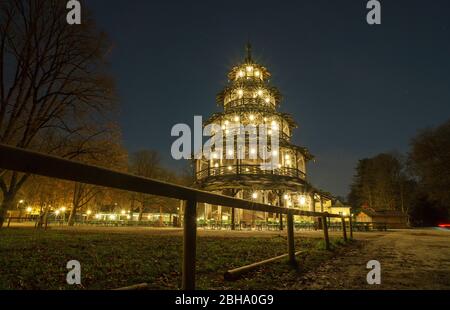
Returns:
<point x="390" y="219"/>
<point x="249" y="100"/>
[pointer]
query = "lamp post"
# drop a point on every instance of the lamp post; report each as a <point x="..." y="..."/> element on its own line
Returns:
<point x="20" y="202"/>
<point x="29" y="210"/>
<point x="63" y="210"/>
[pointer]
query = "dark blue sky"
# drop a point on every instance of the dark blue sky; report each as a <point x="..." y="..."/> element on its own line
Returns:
<point x="356" y="90"/>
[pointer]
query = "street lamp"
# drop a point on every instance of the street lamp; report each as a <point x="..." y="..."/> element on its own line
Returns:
<point x="63" y="210"/>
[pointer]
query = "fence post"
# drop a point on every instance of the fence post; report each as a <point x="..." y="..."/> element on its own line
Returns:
<point x="189" y="244"/>
<point x="290" y="238"/>
<point x="325" y="232"/>
<point x="351" y="226"/>
<point x="344" y="229"/>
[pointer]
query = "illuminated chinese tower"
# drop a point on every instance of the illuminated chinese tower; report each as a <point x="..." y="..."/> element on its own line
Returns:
<point x="250" y="99"/>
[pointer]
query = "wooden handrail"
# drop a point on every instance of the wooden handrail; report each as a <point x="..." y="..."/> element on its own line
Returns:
<point x="27" y="161"/>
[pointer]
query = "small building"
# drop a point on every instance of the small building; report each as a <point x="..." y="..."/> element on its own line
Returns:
<point x="393" y="219"/>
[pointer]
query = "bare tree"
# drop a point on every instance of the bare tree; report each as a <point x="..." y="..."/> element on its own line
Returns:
<point x="53" y="84"/>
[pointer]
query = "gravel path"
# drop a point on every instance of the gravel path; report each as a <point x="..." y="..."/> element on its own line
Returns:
<point x="410" y="259"/>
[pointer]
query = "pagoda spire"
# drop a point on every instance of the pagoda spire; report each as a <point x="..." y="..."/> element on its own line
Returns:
<point x="248" y="49"/>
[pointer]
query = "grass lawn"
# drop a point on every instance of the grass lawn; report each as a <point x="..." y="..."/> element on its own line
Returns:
<point x="32" y="259"/>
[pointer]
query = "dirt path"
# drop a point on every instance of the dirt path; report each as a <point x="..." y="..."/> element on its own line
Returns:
<point x="410" y="259"/>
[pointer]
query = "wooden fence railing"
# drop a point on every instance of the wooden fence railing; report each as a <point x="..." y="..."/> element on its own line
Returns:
<point x="30" y="162"/>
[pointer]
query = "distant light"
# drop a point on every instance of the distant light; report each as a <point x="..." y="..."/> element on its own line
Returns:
<point x="302" y="200"/>
<point x="231" y="153"/>
<point x="255" y="195"/>
<point x="112" y="217"/>
<point x="274" y="153"/>
<point x="287" y="157"/>
<point x="252" y="117"/>
<point x="123" y="212"/>
<point x="215" y="156"/>
<point x="21" y="201"/>
<point x="267" y="100"/>
<point x="57" y="212"/>
<point x="257" y="73"/>
<point x="241" y="73"/>
<point x="253" y="151"/>
<point x="274" y="125"/>
<point x="63" y="209"/>
<point x="230" y="168"/>
<point x="265" y="119"/>
<point x="240" y="92"/>
<point x="216" y="165"/>
<point x="269" y="132"/>
<point x="286" y="197"/>
<point x="260" y="92"/>
<point x="227" y="123"/>
<point x="249" y="68"/>
<point x="89" y="212"/>
<point x="29" y="209"/>
<point x="237" y="118"/>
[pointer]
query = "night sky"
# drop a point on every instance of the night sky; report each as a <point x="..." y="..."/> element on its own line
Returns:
<point x="355" y="90"/>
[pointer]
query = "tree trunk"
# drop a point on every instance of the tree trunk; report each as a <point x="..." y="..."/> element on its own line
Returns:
<point x="141" y="210"/>
<point x="6" y="205"/>
<point x="77" y="194"/>
<point x="72" y="216"/>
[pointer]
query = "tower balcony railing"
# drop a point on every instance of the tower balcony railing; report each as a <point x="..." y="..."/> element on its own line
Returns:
<point x="249" y="170"/>
<point x="250" y="102"/>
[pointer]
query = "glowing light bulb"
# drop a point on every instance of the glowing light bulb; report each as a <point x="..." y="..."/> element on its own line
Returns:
<point x="267" y="100"/>
<point x="237" y="118"/>
<point x="252" y="117"/>
<point x="240" y="92"/>
<point x="230" y="168"/>
<point x="253" y="151"/>
<point x="249" y="68"/>
<point x="89" y="212"/>
<point x="260" y="92"/>
<point x="255" y="195"/>
<point x="302" y="200"/>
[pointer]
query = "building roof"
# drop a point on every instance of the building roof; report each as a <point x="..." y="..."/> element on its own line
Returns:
<point x="382" y="213"/>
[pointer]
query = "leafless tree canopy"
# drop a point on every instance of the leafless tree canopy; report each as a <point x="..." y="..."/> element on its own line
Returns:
<point x="55" y="92"/>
